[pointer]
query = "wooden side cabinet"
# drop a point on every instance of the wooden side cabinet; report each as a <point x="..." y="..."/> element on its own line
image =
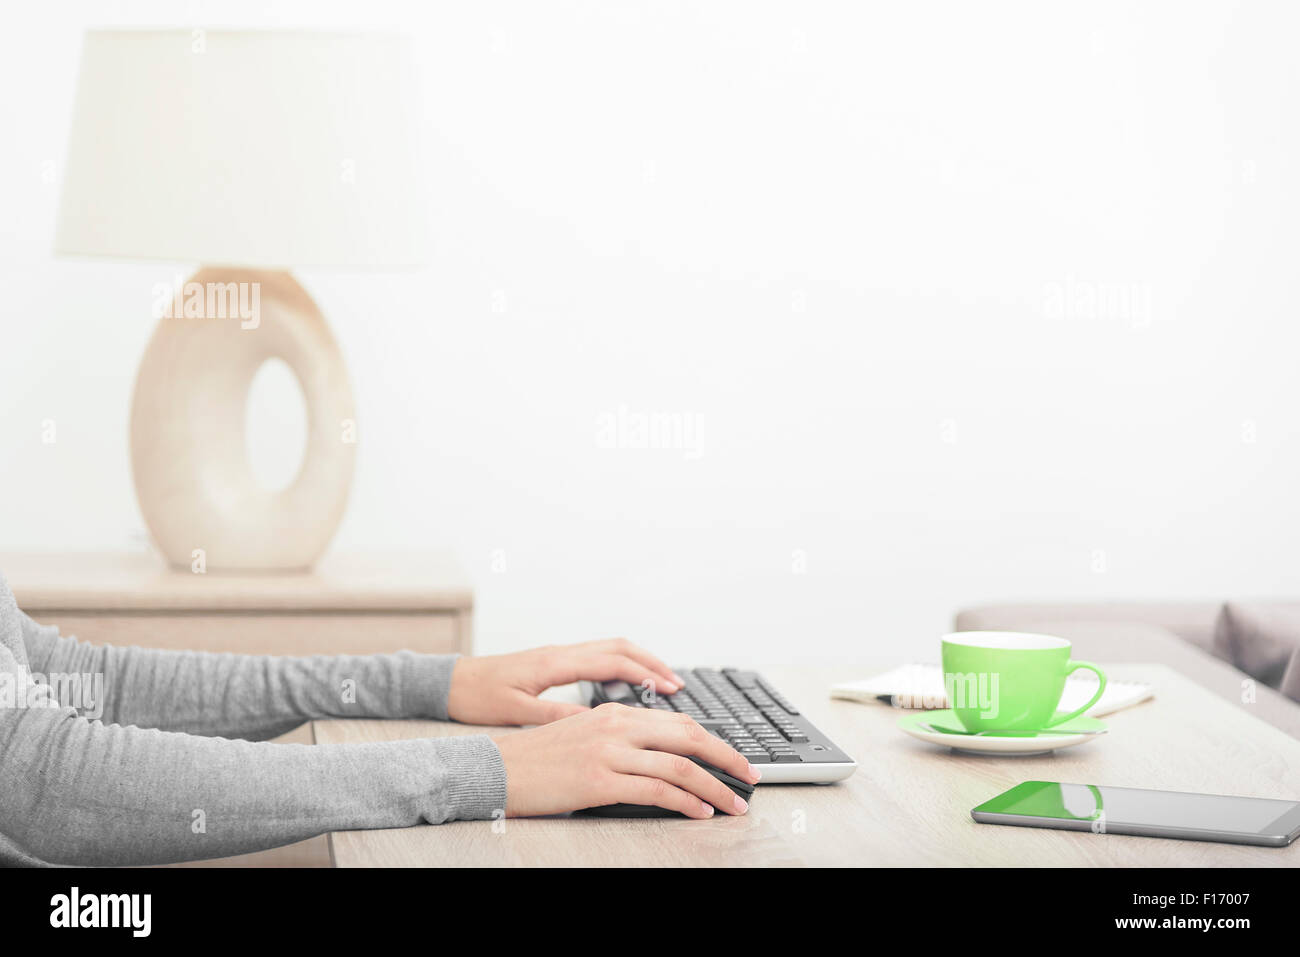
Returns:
<point x="347" y="604"/>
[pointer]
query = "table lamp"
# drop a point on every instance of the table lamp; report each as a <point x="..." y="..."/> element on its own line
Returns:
<point x="248" y="153"/>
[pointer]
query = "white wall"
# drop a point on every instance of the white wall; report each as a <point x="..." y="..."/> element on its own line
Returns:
<point x="972" y="301"/>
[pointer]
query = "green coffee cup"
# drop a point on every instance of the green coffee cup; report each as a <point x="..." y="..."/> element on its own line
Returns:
<point x="1008" y="681"/>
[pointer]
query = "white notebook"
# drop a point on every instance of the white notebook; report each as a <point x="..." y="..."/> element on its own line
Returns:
<point x="921" y="686"/>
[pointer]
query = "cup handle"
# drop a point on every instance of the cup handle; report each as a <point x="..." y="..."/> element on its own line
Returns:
<point x="1070" y="668"/>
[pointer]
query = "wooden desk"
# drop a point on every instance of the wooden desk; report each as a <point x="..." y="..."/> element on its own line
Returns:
<point x="907" y="804"/>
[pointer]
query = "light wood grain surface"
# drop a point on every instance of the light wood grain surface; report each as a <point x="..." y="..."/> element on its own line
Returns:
<point x="142" y="581"/>
<point x="907" y="804"/>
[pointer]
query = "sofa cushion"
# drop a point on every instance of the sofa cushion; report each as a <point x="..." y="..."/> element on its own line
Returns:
<point x="1193" y="621"/>
<point x="1263" y="640"/>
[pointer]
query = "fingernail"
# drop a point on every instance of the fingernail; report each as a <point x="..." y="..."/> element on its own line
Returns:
<point x="708" y="809"/>
<point x="755" y="774"/>
<point x="741" y="806"/>
<point x="679" y="679"/>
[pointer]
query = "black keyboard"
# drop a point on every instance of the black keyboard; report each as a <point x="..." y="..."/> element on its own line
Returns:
<point x="743" y="709"/>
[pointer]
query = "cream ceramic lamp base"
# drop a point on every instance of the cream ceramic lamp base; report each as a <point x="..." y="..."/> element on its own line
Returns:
<point x="189" y="455"/>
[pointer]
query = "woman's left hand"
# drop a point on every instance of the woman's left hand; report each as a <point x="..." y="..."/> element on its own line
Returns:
<point x="503" y="689"/>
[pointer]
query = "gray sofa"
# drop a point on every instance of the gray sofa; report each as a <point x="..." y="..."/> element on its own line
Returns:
<point x="1178" y="634"/>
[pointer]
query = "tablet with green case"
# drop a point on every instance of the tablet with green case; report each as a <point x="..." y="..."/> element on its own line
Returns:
<point x="1171" y="814"/>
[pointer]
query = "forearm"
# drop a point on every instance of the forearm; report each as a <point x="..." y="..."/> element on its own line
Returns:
<point x="258" y="697"/>
<point x="245" y="696"/>
<point x="80" y="792"/>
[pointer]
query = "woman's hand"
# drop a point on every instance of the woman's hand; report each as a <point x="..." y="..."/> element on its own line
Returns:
<point x="619" y="755"/>
<point x="503" y="689"/>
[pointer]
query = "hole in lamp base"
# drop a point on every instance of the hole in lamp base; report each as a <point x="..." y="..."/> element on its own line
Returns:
<point x="275" y="425"/>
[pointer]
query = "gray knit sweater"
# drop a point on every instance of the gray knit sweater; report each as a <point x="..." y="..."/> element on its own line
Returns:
<point x="154" y="778"/>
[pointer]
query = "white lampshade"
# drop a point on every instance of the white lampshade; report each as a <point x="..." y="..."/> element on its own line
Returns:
<point x="262" y="148"/>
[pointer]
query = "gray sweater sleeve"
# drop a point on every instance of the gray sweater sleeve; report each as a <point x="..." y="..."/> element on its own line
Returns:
<point x="92" y="792"/>
<point x="243" y="696"/>
<point x="84" y="793"/>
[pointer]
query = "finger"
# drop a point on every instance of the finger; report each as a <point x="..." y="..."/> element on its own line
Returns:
<point x="602" y="666"/>
<point x="670" y="731"/>
<point x="683" y="773"/>
<point x="621" y="646"/>
<point x="634" y="789"/>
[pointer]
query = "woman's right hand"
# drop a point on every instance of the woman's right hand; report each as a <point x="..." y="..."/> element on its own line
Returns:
<point x="614" y="754"/>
